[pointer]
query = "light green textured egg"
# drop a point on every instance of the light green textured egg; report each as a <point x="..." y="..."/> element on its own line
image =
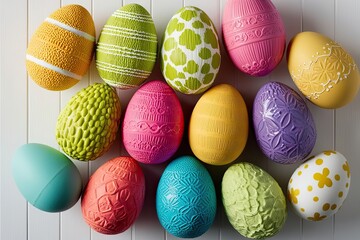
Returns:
<point x="190" y="52"/>
<point x="88" y="124"/>
<point x="127" y="47"/>
<point x="254" y="202"/>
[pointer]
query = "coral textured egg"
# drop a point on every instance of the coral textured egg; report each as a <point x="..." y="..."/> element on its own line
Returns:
<point x="61" y="49"/>
<point x="283" y="124"/>
<point x="322" y="70"/>
<point x="219" y="125"/>
<point x="318" y="187"/>
<point x="127" y="47"/>
<point x="186" y="198"/>
<point x="153" y="124"/>
<point x="88" y="124"/>
<point x="254" y="35"/>
<point x="190" y="53"/>
<point x="46" y="177"/>
<point x="114" y="196"/>
<point x="254" y="202"/>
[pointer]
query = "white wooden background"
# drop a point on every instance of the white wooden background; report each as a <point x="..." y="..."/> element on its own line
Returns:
<point x="29" y="114"/>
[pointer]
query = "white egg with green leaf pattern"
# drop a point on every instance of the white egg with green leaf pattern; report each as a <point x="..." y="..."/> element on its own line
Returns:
<point x="190" y="52"/>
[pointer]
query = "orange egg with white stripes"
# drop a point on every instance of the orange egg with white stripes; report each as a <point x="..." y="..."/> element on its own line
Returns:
<point x="61" y="49"/>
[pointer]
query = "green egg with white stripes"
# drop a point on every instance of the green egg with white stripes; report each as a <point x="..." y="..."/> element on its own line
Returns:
<point x="127" y="47"/>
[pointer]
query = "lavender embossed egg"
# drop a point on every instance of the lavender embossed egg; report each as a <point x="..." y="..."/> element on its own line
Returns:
<point x="114" y="196"/>
<point x="254" y="35"/>
<point x="186" y="198"/>
<point x="153" y="124"/>
<point x="283" y="124"/>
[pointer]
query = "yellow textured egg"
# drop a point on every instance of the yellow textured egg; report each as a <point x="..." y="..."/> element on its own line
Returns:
<point x="61" y="49"/>
<point x="219" y="125"/>
<point x="322" y="70"/>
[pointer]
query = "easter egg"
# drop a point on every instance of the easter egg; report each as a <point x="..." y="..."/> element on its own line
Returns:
<point x="254" y="35"/>
<point x="318" y="187"/>
<point x="190" y="52"/>
<point x="254" y="202"/>
<point x="219" y="125"/>
<point x="114" y="196"/>
<point x="322" y="70"/>
<point x="88" y="124"/>
<point x="283" y="124"/>
<point x="127" y="47"/>
<point x="186" y="198"/>
<point x="153" y="124"/>
<point x="46" y="178"/>
<point x="61" y="49"/>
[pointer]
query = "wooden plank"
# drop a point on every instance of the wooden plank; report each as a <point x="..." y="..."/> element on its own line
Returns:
<point x="13" y="115"/>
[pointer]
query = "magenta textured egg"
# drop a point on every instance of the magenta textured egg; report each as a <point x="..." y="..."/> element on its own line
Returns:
<point x="153" y="125"/>
<point x="254" y="35"/>
<point x="114" y="196"/>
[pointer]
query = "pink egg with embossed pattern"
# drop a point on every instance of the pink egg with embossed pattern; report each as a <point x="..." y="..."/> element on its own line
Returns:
<point x="254" y="35"/>
<point x="114" y="196"/>
<point x="153" y="125"/>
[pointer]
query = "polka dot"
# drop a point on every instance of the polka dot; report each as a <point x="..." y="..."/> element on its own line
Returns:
<point x="208" y="78"/>
<point x="169" y="44"/>
<point x="180" y="27"/>
<point x="188" y="14"/>
<point x="178" y="57"/>
<point x="319" y="161"/>
<point x="326" y="206"/>
<point x="337" y="177"/>
<point x="302" y="209"/>
<point x="347" y="185"/>
<point x="210" y="38"/>
<point x="215" y="62"/>
<point x="181" y="75"/>
<point x="205" y="68"/>
<point x="197" y="24"/>
<point x="192" y="83"/>
<point x="191" y="67"/>
<point x="205" y="18"/>
<point x="170" y="72"/>
<point x="333" y="207"/>
<point x="172" y="25"/>
<point x="205" y="53"/>
<point x="299" y="173"/>
<point x="306" y="166"/>
<point x="291" y="180"/>
<point x="340" y="194"/>
<point x="178" y="83"/>
<point x="316" y="199"/>
<point x="189" y="39"/>
<point x="309" y="188"/>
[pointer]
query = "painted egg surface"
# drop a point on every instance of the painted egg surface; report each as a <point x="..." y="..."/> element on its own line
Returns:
<point x="254" y="35"/>
<point x="319" y="186"/>
<point x="254" y="202"/>
<point x="284" y="126"/>
<point x="87" y="126"/>
<point x="127" y="47"/>
<point x="46" y="178"/>
<point x="114" y="196"/>
<point x="186" y="198"/>
<point x="190" y="53"/>
<point x="322" y="70"/>
<point x="61" y="49"/>
<point x="153" y="124"/>
<point x="219" y="125"/>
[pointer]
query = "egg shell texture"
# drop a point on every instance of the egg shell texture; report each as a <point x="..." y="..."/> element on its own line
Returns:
<point x="254" y="35"/>
<point x="190" y="53"/>
<point x="186" y="198"/>
<point x="283" y="124"/>
<point x="114" y="196"/>
<point x="219" y="126"/>
<point x="87" y="126"/>
<point x="322" y="70"/>
<point x="153" y="125"/>
<point x="318" y="187"/>
<point x="127" y="47"/>
<point x="61" y="49"/>
<point x="254" y="202"/>
<point x="46" y="178"/>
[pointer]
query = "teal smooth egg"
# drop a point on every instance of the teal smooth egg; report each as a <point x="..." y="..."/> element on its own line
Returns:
<point x="46" y="177"/>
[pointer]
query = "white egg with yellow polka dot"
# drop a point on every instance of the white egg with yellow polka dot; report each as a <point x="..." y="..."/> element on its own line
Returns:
<point x="319" y="186"/>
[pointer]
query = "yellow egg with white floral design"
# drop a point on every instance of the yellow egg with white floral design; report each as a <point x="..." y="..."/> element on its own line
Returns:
<point x="319" y="186"/>
<point x="322" y="70"/>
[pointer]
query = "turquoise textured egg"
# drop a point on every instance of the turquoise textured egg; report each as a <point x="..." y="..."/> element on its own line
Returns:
<point x="46" y="178"/>
<point x="186" y="198"/>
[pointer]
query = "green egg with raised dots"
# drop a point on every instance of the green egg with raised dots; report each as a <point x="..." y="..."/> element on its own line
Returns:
<point x="87" y="126"/>
<point x="190" y="51"/>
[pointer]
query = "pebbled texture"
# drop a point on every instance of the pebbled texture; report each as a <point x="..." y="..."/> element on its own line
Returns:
<point x="283" y="124"/>
<point x="114" y="196"/>
<point x="186" y="198"/>
<point x="254" y="202"/>
<point x="88" y="124"/>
